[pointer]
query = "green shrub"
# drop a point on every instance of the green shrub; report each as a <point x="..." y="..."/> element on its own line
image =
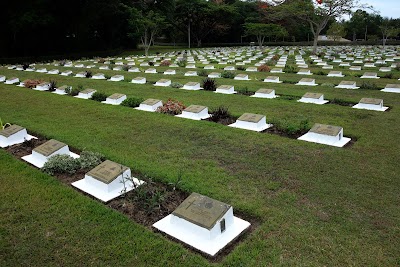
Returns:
<point x="241" y="68"/>
<point x="220" y="113"/>
<point x="132" y="102"/>
<point x="290" y="69"/>
<point x="369" y="85"/>
<point x="89" y="159"/>
<point x="88" y="74"/>
<point x="320" y="72"/>
<point x="126" y="67"/>
<point x="328" y="85"/>
<point x="228" y="74"/>
<point x="202" y="73"/>
<point x="182" y="63"/>
<point x="53" y="85"/>
<point x="209" y="84"/>
<point x="291" y="128"/>
<point x="61" y="164"/>
<point x="176" y="85"/>
<point x="165" y="63"/>
<point x="388" y="76"/>
<point x="244" y="91"/>
<point x="99" y="96"/>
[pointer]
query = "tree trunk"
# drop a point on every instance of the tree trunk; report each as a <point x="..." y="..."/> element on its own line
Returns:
<point x="315" y="44"/>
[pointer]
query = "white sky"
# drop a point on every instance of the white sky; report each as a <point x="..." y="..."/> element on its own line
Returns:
<point x="386" y="8"/>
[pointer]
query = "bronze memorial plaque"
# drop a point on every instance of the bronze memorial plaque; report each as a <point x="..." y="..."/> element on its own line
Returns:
<point x="265" y="91"/>
<point x="225" y="87"/>
<point x="201" y="210"/>
<point x="49" y="147"/>
<point x="371" y="101"/>
<point x="107" y="171"/>
<point x="13" y="129"/>
<point x="116" y="96"/>
<point x="326" y="129"/>
<point x="312" y="95"/>
<point x="250" y="117"/>
<point x="194" y="108"/>
<point x="151" y="102"/>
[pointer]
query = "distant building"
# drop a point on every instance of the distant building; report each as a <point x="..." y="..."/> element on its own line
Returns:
<point x="330" y="38"/>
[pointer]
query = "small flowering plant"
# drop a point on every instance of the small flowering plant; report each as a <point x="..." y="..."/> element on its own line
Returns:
<point x="165" y="63"/>
<point x="171" y="107"/>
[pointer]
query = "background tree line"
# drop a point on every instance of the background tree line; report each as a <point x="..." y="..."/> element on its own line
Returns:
<point x="43" y="27"/>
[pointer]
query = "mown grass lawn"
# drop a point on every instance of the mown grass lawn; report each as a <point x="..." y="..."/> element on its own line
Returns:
<point x="317" y="205"/>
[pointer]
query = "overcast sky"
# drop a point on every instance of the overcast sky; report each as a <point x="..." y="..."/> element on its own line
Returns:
<point x="386" y="8"/>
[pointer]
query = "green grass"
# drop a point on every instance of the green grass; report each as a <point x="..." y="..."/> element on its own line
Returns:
<point x="317" y="205"/>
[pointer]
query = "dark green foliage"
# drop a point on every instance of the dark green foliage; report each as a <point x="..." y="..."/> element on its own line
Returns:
<point x="209" y="84"/>
<point x="182" y="63"/>
<point x="53" y="85"/>
<point x="341" y="102"/>
<point x="388" y="76"/>
<point x="291" y="128"/>
<point x="125" y="67"/>
<point x="132" y="102"/>
<point x="99" y="96"/>
<point x="290" y="69"/>
<point x="220" y="113"/>
<point x="320" y="72"/>
<point x="244" y="91"/>
<point x="369" y="85"/>
<point x="202" y="73"/>
<point x="228" y="74"/>
<point x="241" y="68"/>
<point x="88" y="74"/>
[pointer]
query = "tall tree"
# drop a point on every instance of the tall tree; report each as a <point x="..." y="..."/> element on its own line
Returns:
<point x="317" y="14"/>
<point x="336" y="31"/>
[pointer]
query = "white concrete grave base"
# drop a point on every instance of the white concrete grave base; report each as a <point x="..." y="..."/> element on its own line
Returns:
<point x="39" y="160"/>
<point x="106" y="192"/>
<point x="194" y="116"/>
<point x="324" y="139"/>
<point x="252" y="126"/>
<point x="16" y="138"/>
<point x="178" y="229"/>
<point x="370" y="107"/>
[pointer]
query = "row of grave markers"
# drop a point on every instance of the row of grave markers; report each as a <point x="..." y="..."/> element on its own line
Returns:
<point x="249" y="121"/>
<point x="205" y="224"/>
<point x="314" y="98"/>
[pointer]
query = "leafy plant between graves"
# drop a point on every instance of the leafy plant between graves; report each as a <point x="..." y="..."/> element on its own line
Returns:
<point x="126" y="67"/>
<point x="320" y="72"/>
<point x="291" y="128"/>
<point x="241" y="68"/>
<point x="182" y="63"/>
<point x="220" y="114"/>
<point x="367" y="85"/>
<point x="397" y="67"/>
<point x="89" y="159"/>
<point x="263" y="68"/>
<point x="202" y="73"/>
<point x="228" y="74"/>
<point x="176" y="85"/>
<point x="328" y="84"/>
<point x="288" y="97"/>
<point x="99" y="96"/>
<point x="32" y="83"/>
<point x="209" y="84"/>
<point x="341" y="102"/>
<point x="53" y="85"/>
<point x="88" y="74"/>
<point x="290" y="69"/>
<point x="244" y="91"/>
<point x="132" y="102"/>
<point x="388" y="76"/>
<point x="107" y="76"/>
<point x="58" y="164"/>
<point x="171" y="107"/>
<point x="4" y="125"/>
<point x="74" y="91"/>
<point x="165" y="63"/>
